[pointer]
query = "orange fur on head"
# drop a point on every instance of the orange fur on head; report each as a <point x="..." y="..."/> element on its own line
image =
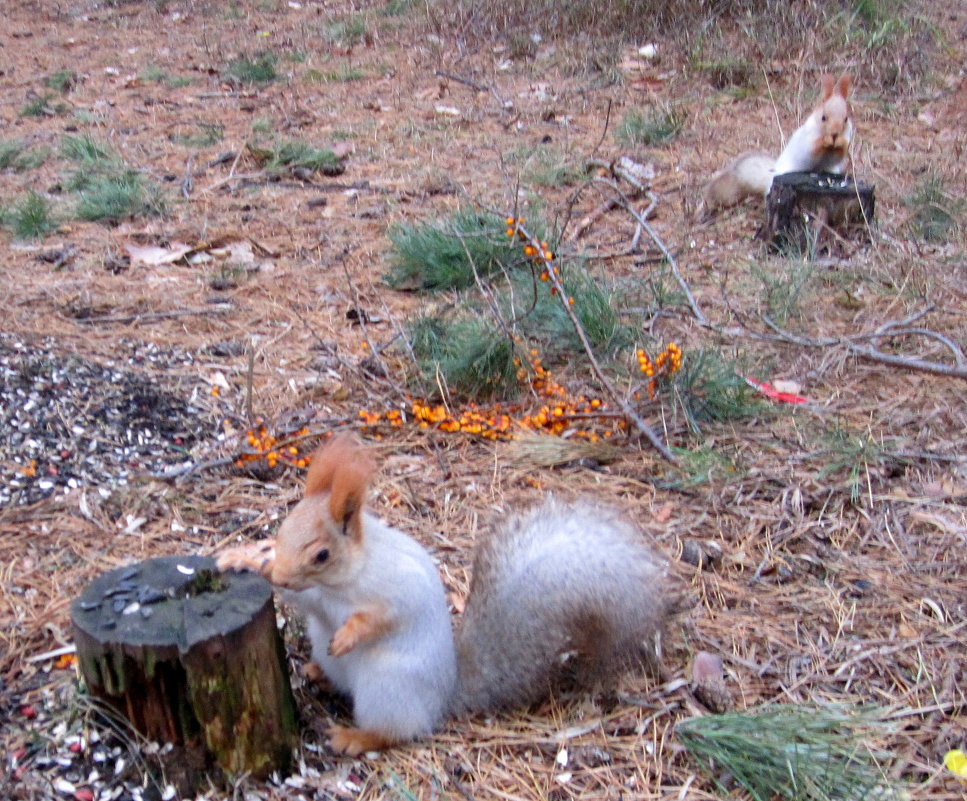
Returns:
<point x="343" y="468"/>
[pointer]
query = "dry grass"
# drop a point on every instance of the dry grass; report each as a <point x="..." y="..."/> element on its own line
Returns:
<point x="843" y="569"/>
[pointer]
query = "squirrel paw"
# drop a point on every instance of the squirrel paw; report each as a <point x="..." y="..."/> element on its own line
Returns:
<point x="343" y="641"/>
<point x="255" y="556"/>
<point x="353" y="742"/>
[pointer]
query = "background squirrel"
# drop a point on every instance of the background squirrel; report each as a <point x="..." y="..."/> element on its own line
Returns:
<point x="820" y="144"/>
<point x="564" y="593"/>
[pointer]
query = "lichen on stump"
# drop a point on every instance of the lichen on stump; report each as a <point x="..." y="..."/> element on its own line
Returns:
<point x="810" y="213"/>
<point x="192" y="657"/>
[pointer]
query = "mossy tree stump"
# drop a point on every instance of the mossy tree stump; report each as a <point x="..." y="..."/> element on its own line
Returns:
<point x="193" y="657"/>
<point x="807" y="212"/>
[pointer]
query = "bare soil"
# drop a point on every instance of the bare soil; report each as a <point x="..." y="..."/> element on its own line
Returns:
<point x="841" y="522"/>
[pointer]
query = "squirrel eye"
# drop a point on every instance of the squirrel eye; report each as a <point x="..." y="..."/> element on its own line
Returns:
<point x="322" y="556"/>
<point x="824" y="118"/>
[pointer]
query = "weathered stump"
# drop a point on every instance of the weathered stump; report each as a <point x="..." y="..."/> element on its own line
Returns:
<point x="806" y="212"/>
<point x="192" y="657"/>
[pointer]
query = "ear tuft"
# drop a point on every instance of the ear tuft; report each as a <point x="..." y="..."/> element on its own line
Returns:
<point x="843" y="85"/>
<point x="342" y="451"/>
<point x="348" y="494"/>
<point x="827" y="84"/>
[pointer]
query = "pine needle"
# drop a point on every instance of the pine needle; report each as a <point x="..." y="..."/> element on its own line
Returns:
<point x="798" y="753"/>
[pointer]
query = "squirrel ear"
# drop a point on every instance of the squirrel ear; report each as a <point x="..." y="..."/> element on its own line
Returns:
<point x="343" y="469"/>
<point x="843" y="85"/>
<point x="328" y="459"/>
<point x="827" y="82"/>
<point x="348" y="496"/>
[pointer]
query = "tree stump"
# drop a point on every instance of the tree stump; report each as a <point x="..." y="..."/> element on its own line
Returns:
<point x="193" y="657"/>
<point x="808" y="212"/>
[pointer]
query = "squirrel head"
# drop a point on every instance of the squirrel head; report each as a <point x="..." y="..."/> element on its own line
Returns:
<point x="833" y="113"/>
<point x="321" y="540"/>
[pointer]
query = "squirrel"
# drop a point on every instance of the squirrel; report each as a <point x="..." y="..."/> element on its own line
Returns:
<point x="562" y="595"/>
<point x="820" y="144"/>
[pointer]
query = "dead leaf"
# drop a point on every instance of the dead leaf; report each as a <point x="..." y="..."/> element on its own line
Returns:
<point x="155" y="255"/>
<point x="239" y="252"/>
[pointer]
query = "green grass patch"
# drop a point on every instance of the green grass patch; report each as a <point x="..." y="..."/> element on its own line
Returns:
<point x="700" y="466"/>
<point x="347" y="32"/>
<point x="15" y="155"/>
<point x="86" y="150"/>
<point x="462" y="358"/>
<point x="541" y="316"/>
<point x="345" y="74"/>
<point x="107" y="189"/>
<point x="287" y="155"/>
<point x="857" y="458"/>
<point x="935" y="212"/>
<point x="785" y="285"/>
<point x="446" y="254"/>
<point x="547" y="167"/>
<point x="732" y="74"/>
<point x="205" y="134"/>
<point x="42" y="105"/>
<point x="398" y="8"/>
<point x="152" y="74"/>
<point x="259" y="68"/>
<point x="710" y="389"/>
<point x="789" y="752"/>
<point x="61" y="81"/>
<point x="31" y="217"/>
<point x="116" y="196"/>
<point x="659" y="125"/>
<point x="10" y="151"/>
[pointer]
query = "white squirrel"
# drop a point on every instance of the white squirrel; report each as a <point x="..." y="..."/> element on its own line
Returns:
<point x="820" y="144"/>
<point x="563" y="594"/>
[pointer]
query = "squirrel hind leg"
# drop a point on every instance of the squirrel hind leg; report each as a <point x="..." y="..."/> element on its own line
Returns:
<point x="602" y="652"/>
<point x="353" y="742"/>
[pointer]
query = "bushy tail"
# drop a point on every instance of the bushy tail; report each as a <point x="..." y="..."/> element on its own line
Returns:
<point x="561" y="594"/>
<point x="749" y="175"/>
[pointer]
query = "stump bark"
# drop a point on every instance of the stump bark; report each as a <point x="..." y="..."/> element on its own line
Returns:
<point x="192" y="657"/>
<point x="808" y="212"/>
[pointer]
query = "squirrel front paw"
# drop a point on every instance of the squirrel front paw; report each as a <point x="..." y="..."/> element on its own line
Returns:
<point x="363" y="625"/>
<point x="343" y="641"/>
<point x="255" y="556"/>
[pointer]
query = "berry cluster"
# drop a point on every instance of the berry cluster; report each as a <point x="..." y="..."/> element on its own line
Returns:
<point x="536" y="250"/>
<point x="266" y="445"/>
<point x="499" y="421"/>
<point x="668" y="362"/>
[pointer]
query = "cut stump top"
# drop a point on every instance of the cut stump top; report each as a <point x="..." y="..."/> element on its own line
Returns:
<point x="168" y="601"/>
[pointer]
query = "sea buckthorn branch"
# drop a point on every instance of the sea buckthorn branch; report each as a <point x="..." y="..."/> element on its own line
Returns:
<point x="667" y="363"/>
<point x="544" y="256"/>
<point x="641" y="219"/>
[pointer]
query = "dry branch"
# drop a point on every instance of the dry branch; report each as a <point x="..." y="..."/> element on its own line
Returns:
<point x="891" y="328"/>
<point x="608" y="387"/>
<point x="625" y="203"/>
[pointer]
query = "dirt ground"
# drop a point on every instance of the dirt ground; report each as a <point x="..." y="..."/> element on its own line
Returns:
<point x="841" y="523"/>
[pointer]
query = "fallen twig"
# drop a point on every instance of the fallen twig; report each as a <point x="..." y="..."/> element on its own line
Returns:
<point x="871" y="352"/>
<point x="149" y="316"/>
<point x="625" y="203"/>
